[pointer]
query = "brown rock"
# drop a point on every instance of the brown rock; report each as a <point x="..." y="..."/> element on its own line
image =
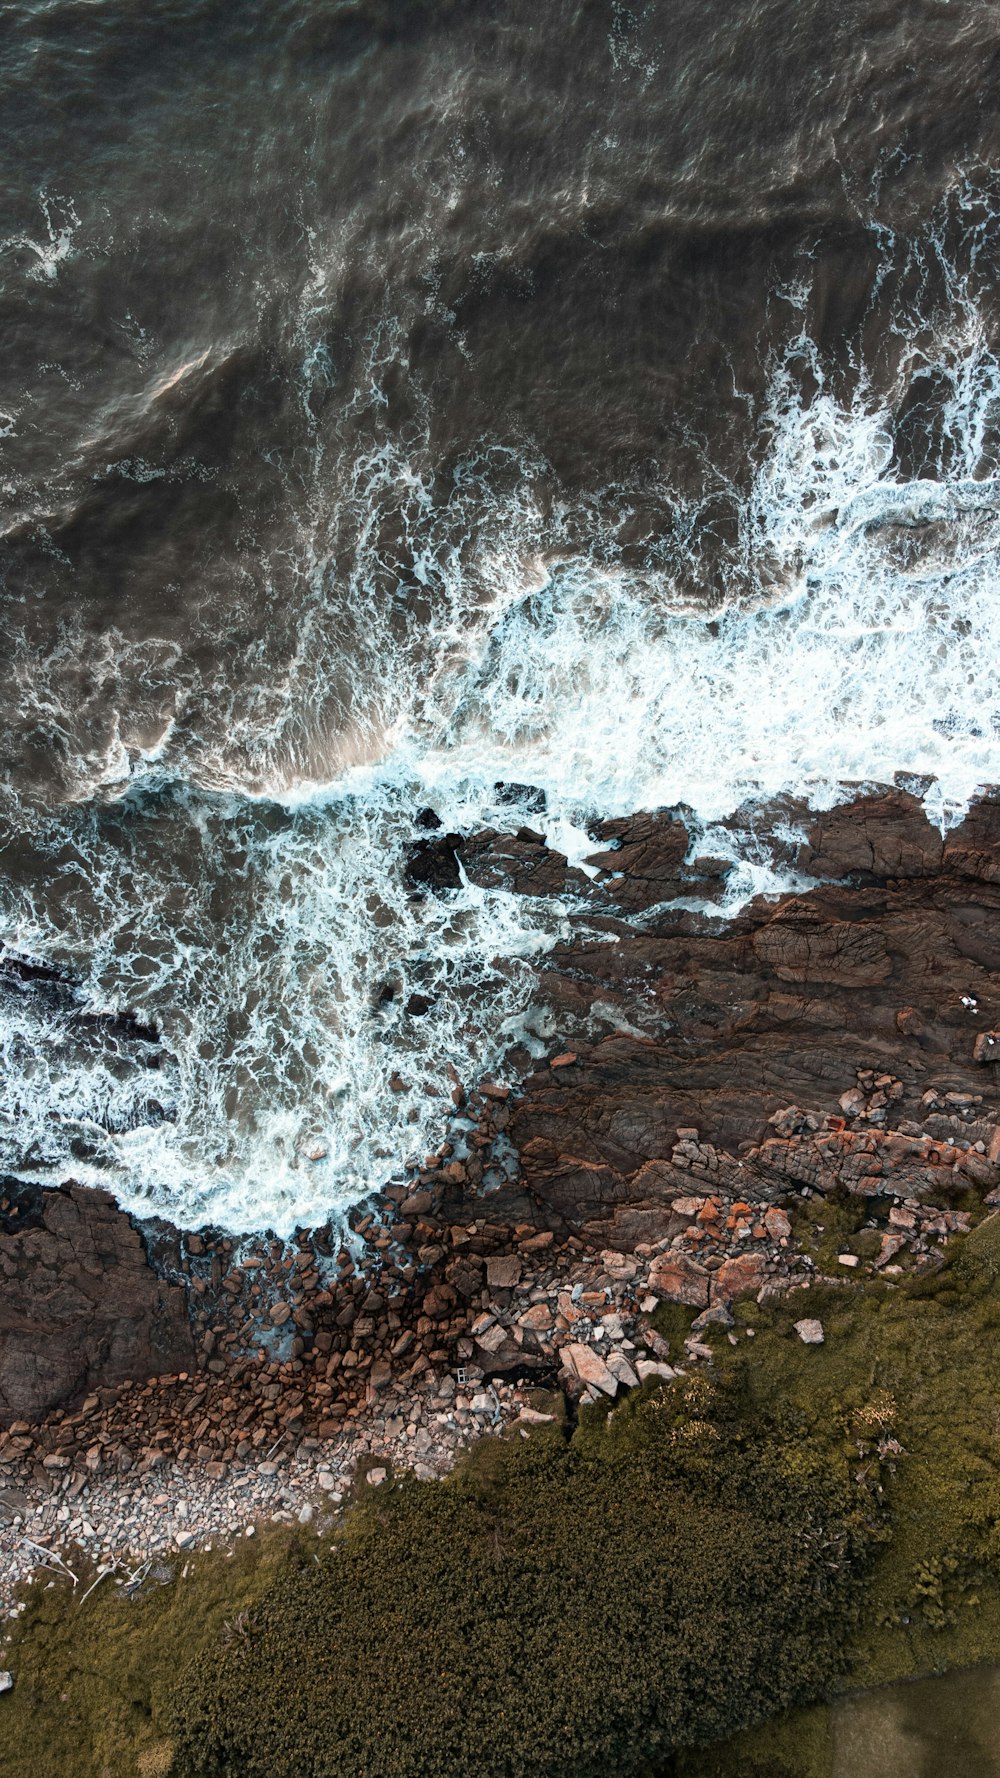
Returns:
<point x="587" y="1365"/>
<point x="910" y="1022"/>
<point x="538" y="1318"/>
<point x="679" y="1279"/>
<point x="741" y="1276"/>
<point x="80" y="1303"/>
<point x="800" y="947"/>
<point x="503" y="1271"/>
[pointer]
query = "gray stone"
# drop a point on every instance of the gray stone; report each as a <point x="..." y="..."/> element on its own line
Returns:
<point x="589" y="1367"/>
<point x="810" y="1332"/>
<point x="647" y="1368"/>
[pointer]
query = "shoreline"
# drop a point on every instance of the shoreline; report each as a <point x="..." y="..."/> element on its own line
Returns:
<point x="797" y="1053"/>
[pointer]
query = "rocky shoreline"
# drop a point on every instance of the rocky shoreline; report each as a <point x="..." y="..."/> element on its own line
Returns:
<point x="713" y="1086"/>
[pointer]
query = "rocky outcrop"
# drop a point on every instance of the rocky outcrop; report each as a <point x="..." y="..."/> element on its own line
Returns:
<point x="701" y="1071"/>
<point x="80" y="1304"/>
<point x="677" y="1022"/>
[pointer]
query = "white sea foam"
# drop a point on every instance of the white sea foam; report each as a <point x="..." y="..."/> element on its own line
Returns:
<point x="249" y="897"/>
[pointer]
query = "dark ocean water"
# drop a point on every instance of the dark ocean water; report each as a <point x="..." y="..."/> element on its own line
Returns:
<point x="399" y="399"/>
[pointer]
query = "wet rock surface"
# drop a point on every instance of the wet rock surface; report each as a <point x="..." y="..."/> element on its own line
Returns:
<point x="708" y="1087"/>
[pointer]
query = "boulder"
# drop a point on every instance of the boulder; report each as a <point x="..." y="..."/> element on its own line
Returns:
<point x="741" y="1276"/>
<point x="503" y="1271"/>
<point x="680" y="1279"/>
<point x="589" y="1367"/>
<point x="80" y="1304"/>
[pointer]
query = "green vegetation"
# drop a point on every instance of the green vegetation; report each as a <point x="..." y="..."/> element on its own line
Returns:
<point x="684" y="1565"/>
<point x="95" y="1680"/>
<point x="676" y="1569"/>
<point x="561" y="1609"/>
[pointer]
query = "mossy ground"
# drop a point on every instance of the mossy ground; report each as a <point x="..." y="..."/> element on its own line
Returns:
<point x="94" y="1680"/>
<point x="555" y="1606"/>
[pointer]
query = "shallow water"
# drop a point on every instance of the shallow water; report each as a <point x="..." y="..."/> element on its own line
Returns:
<point x="948" y="1727"/>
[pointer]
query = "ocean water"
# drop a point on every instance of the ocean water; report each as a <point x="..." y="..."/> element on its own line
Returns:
<point x="400" y="404"/>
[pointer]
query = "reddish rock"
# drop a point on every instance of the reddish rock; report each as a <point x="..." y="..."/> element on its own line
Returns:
<point x="679" y="1279"/>
<point x="589" y="1367"/>
<point x="910" y="1022"/>
<point x="741" y="1276"/>
<point x="538" y="1318"/>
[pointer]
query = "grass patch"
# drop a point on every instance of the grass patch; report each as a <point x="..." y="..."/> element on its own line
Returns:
<point x="687" y="1564"/>
<point x="95" y="1681"/>
<point x="676" y="1570"/>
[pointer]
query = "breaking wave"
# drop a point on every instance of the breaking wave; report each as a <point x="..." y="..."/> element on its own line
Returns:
<point x="242" y="885"/>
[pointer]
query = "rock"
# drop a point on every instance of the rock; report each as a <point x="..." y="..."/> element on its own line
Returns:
<point x="716" y="1317"/>
<point x="538" y="1318"/>
<point x="689" y="1206"/>
<point x="910" y="1022"/>
<point x="80" y="1304"/>
<point x="810" y="1332"/>
<point x="532" y="1417"/>
<point x="987" y="1047"/>
<point x="808" y="950"/>
<point x="433" y="864"/>
<point x="438" y="1301"/>
<point x="891" y="1245"/>
<point x="680" y="1279"/>
<point x="848" y="1259"/>
<point x="279" y="1313"/>
<point x="622" y="1371"/>
<point x="6" y="1680"/>
<point x="589" y="1367"/>
<point x="741" y="1276"/>
<point x="537" y="1243"/>
<point x="375" y="1477"/>
<point x="417" y="1204"/>
<point x="307" y="1513"/>
<point x="503" y="1271"/>
<point x="648" y="1367"/>
<point x="777" y="1224"/>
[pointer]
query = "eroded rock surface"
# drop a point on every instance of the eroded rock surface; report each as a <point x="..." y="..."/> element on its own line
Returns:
<point x="893" y="970"/>
<point x="80" y="1304"/>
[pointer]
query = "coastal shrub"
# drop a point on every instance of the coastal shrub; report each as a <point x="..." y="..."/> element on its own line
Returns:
<point x="676" y="1570"/>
